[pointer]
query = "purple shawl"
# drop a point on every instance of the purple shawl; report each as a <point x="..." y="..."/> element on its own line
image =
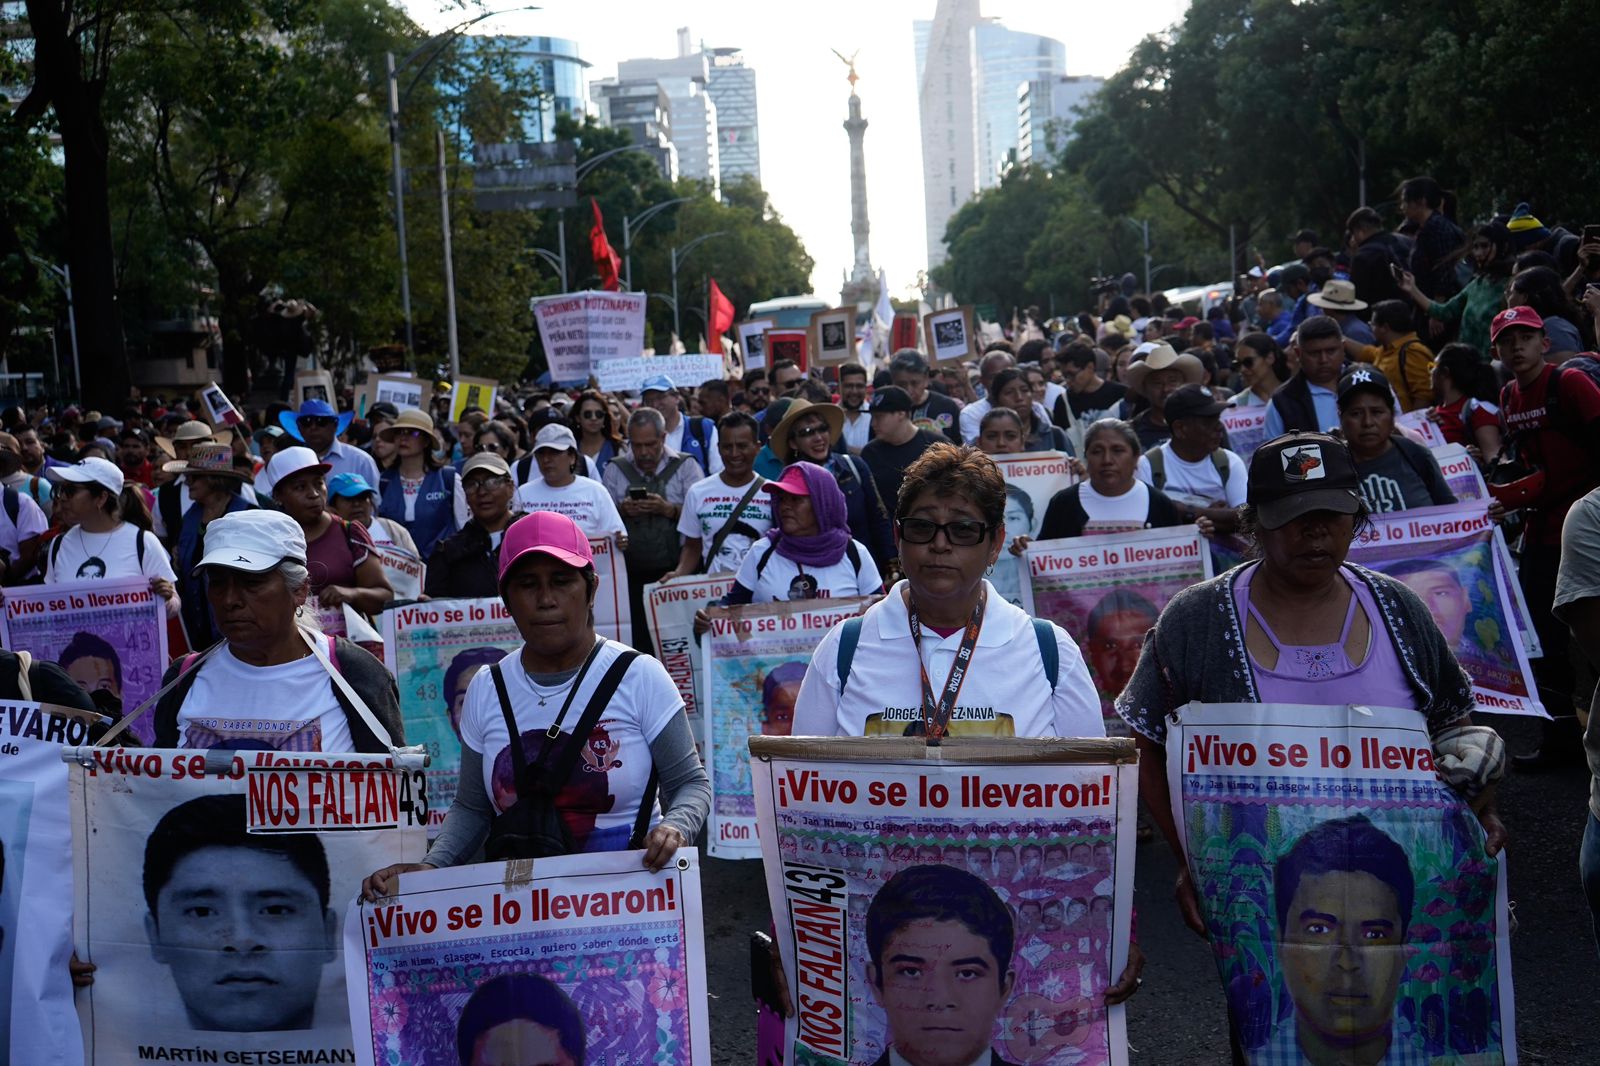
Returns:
<point x="827" y="503"/>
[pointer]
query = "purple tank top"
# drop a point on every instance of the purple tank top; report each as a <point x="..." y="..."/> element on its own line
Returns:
<point x="1323" y="673"/>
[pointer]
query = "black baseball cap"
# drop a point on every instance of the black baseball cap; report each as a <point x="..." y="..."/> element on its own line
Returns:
<point x="891" y="398"/>
<point x="1193" y="401"/>
<point x="1361" y="378"/>
<point x="1298" y="473"/>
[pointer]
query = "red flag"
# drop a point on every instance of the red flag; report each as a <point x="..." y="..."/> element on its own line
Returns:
<point x="721" y="316"/>
<point x="606" y="261"/>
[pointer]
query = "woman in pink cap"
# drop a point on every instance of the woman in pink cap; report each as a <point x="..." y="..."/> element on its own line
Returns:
<point x="608" y="708"/>
<point x="809" y="552"/>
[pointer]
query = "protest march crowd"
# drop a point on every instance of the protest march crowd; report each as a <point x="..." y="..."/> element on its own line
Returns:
<point x="1274" y="559"/>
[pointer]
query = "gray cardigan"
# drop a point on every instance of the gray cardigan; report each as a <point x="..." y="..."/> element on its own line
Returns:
<point x="1196" y="651"/>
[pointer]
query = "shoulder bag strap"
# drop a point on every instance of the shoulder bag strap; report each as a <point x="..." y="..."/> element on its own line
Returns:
<point x="647" y="804"/>
<point x="24" y="685"/>
<point x="379" y="730"/>
<point x="190" y="663"/>
<point x="727" y="527"/>
<point x="519" y="761"/>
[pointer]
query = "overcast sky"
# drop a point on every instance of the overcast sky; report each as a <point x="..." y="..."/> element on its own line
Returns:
<point x="802" y="94"/>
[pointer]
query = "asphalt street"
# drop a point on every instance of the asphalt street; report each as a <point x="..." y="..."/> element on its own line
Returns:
<point x="1177" y="1017"/>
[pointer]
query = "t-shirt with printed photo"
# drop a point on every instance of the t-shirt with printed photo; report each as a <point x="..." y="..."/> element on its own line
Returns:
<point x="708" y="505"/>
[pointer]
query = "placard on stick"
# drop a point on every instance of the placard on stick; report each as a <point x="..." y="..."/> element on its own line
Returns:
<point x="753" y="342"/>
<point x="952" y="335"/>
<point x="832" y="339"/>
<point x="472" y="392"/>
<point x="789" y="344"/>
<point x="315" y="385"/>
<point x="216" y="407"/>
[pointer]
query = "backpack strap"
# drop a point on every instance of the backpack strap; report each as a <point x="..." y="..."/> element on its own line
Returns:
<point x="13" y="505"/>
<point x="854" y="555"/>
<point x="1045" y="633"/>
<point x="1219" y="459"/>
<point x="55" y="553"/>
<point x="761" y="563"/>
<point x="697" y="432"/>
<point x="138" y="546"/>
<point x="849" y="637"/>
<point x="647" y="806"/>
<point x="524" y="468"/>
<point x="170" y="503"/>
<point x="1158" y="468"/>
<point x="24" y="684"/>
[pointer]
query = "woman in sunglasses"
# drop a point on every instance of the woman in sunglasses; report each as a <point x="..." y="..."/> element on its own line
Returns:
<point x="1262" y="368"/>
<point x="596" y="430"/>
<point x="418" y="490"/>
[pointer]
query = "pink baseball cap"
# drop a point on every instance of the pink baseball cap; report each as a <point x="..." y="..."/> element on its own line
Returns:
<point x="553" y="534"/>
<point x="792" y="480"/>
<point x="1523" y="317"/>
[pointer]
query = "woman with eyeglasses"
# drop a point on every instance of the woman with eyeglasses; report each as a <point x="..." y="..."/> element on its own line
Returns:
<point x="466" y="564"/>
<point x="497" y="438"/>
<point x="596" y="430"/>
<point x="1262" y="369"/>
<point x="418" y="490"/>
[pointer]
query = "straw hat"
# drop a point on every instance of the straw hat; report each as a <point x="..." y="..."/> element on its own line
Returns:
<point x="1337" y="295"/>
<point x="409" y="420"/>
<point x="209" y="460"/>
<point x="1164" y="358"/>
<point x="830" y="413"/>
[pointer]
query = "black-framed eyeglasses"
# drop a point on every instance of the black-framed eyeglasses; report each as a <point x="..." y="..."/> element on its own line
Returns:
<point x="807" y="432"/>
<point x="485" y="484"/>
<point x="963" y="532"/>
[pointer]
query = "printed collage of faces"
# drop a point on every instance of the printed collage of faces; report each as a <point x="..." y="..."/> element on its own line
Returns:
<point x="1032" y="905"/>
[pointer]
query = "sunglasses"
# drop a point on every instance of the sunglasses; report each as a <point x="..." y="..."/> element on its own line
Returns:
<point x="489" y="446"/>
<point x="593" y="415"/>
<point x="1246" y="364"/>
<point x="963" y="533"/>
<point x="807" y="432"/>
<point x="316" y="420"/>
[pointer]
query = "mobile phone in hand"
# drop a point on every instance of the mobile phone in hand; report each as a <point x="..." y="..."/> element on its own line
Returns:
<point x="638" y="492"/>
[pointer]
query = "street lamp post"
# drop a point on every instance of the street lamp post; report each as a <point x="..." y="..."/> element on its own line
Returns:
<point x="578" y="173"/>
<point x="449" y="263"/>
<point x="630" y="226"/>
<point x="678" y="256"/>
<point x="62" y="275"/>
<point x="1144" y="227"/>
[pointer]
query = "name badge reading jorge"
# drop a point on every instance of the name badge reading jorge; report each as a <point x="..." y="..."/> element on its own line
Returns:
<point x="964" y="722"/>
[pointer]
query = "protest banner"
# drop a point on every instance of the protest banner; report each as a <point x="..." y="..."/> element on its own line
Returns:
<point x="208" y="893"/>
<point x="605" y="955"/>
<point x="833" y="336"/>
<point x="626" y="375"/>
<point x="1345" y="887"/>
<point x="786" y="344"/>
<point x="405" y="570"/>
<point x="951" y="334"/>
<point x="472" y="392"/>
<point x="613" y="614"/>
<point x="1461" y="473"/>
<point x="1032" y="480"/>
<point x="1246" y="428"/>
<point x="1419" y="425"/>
<point x="1447" y="556"/>
<point x="755" y="657"/>
<point x="872" y="846"/>
<point x="670" y="612"/>
<point x="315" y="385"/>
<point x="753" y="342"/>
<point x="1107" y="590"/>
<point x="109" y="636"/>
<point x="582" y="330"/>
<point x="434" y="650"/>
<point x="38" y="1024"/>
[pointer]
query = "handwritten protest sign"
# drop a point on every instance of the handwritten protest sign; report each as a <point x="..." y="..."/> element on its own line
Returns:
<point x="1108" y="590"/>
<point x="613" y="614"/>
<point x="1246" y="428"/>
<point x="1447" y="556"/>
<point x="582" y="330"/>
<point x="626" y="375"/>
<point x="755" y="657"/>
<point x="671" y="609"/>
<point x="434" y="650"/>
<point x="109" y="636"/>
<point x="1032" y="480"/>
<point x="1324" y="848"/>
<point x="37" y="1021"/>
<point x="593" y="948"/>
<point x="1030" y="841"/>
<point x="179" y="980"/>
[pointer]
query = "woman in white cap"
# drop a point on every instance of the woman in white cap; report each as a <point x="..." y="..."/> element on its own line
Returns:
<point x="213" y="483"/>
<point x="551" y="693"/>
<point x="109" y="534"/>
<point x="269" y="684"/>
<point x="340" y="555"/>
<point x="418" y="490"/>
<point x="560" y="488"/>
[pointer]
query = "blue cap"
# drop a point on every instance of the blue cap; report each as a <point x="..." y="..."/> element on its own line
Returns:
<point x="348" y="484"/>
<point x="289" y="420"/>
<point x="659" y="383"/>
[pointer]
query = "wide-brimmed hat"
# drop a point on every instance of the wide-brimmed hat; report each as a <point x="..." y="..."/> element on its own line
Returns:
<point x="192" y="432"/>
<point x="1337" y="295"/>
<point x="1163" y="357"/>
<point x="1298" y="473"/>
<point x="207" y="460"/>
<point x="409" y="420"/>
<point x="290" y="420"/>
<point x="830" y="413"/>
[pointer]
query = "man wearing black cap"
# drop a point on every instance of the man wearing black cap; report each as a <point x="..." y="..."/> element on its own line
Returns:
<point x="1193" y="468"/>
<point x="896" y="441"/>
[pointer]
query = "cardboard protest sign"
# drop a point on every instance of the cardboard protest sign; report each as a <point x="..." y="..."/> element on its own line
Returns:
<point x="753" y="342"/>
<point x="626" y="375"/>
<point x="1246" y="428"/>
<point x="1461" y="473"/>
<point x="873" y="846"/>
<point x="791" y="344"/>
<point x="613" y="613"/>
<point x="434" y="650"/>
<point x="472" y="392"/>
<point x="1447" y="556"/>
<point x="216" y="408"/>
<point x="755" y="657"/>
<point x="109" y="636"/>
<point x="582" y="330"/>
<point x="952" y="335"/>
<point x="38" y="1023"/>
<point x="671" y="609"/>
<point x="604" y="955"/>
<point x="209" y="891"/>
<point x="1108" y="590"/>
<point x="1345" y="886"/>
<point x="832" y="338"/>
<point x="1421" y="426"/>
<point x="406" y="571"/>
<point x="905" y="332"/>
<point x="406" y="392"/>
<point x="315" y="385"/>
<point x="1032" y="480"/>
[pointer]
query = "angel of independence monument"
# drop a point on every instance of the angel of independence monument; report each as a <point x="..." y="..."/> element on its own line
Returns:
<point x="861" y="287"/>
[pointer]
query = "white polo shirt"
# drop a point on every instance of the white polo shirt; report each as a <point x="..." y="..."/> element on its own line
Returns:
<point x="1005" y="694"/>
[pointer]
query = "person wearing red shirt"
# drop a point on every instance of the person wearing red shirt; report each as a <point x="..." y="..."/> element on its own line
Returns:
<point x="1552" y="422"/>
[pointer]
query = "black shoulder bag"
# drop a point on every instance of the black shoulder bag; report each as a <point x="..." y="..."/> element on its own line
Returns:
<point x="532" y="828"/>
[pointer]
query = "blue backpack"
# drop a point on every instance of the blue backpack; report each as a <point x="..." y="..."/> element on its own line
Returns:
<point x="1043" y="632"/>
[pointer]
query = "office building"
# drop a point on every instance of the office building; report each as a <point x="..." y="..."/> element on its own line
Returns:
<point x="1003" y="58"/>
<point x="1045" y="113"/>
<point x="645" y="111"/>
<point x="945" y="98"/>
<point x="692" y="113"/>
<point x="558" y="70"/>
<point x="732" y="87"/>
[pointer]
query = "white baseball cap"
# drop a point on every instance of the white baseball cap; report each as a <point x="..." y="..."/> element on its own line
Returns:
<point x="287" y="462"/>
<point x="92" y="471"/>
<point x="557" y="437"/>
<point x="253" y="541"/>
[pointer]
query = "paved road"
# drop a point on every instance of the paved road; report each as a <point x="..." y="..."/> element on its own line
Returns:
<point x="1177" y="1018"/>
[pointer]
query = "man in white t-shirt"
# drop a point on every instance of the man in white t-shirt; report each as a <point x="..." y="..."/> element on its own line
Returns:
<point x="1202" y="477"/>
<point x="731" y="500"/>
<point x="695" y="437"/>
<point x="853" y="401"/>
